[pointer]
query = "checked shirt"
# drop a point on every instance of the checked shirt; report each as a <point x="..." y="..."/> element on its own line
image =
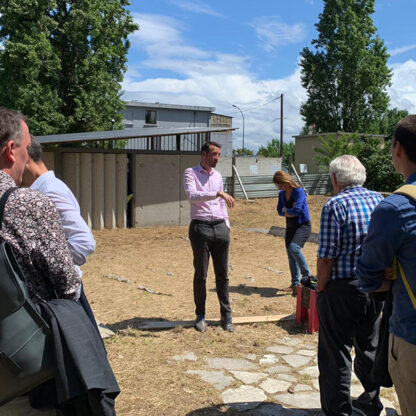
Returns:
<point x="344" y="224"/>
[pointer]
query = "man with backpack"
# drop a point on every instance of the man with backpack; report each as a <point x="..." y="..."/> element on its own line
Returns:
<point x="389" y="252"/>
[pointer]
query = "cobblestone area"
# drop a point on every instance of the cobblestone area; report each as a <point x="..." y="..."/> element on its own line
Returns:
<point x="283" y="381"/>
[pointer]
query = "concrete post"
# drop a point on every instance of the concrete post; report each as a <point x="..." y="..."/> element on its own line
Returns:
<point x="86" y="188"/>
<point x="110" y="190"/>
<point x="121" y="190"/>
<point x="70" y="172"/>
<point x="48" y="159"/>
<point x="57" y="164"/>
<point x="98" y="191"/>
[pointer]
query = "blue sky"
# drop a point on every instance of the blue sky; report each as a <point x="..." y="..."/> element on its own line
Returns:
<point x="218" y="53"/>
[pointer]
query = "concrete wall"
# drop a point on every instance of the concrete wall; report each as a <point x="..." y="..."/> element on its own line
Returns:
<point x="226" y="141"/>
<point x="98" y="181"/>
<point x="257" y="166"/>
<point x="249" y="166"/>
<point x="159" y="195"/>
<point x="305" y="153"/>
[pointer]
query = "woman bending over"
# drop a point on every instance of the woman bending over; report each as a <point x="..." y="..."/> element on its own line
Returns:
<point x="292" y="205"/>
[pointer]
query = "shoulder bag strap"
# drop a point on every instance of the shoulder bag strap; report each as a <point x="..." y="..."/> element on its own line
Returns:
<point x="410" y="191"/>
<point x="3" y="201"/>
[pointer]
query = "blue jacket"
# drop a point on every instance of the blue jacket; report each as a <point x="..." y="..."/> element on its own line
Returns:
<point x="300" y="207"/>
<point x="392" y="233"/>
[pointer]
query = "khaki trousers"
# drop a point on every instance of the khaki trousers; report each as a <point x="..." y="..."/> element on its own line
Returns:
<point x="21" y="407"/>
<point x="402" y="369"/>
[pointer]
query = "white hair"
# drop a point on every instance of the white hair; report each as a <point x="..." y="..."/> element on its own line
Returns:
<point x="348" y="170"/>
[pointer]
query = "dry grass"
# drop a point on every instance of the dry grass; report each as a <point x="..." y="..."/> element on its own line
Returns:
<point x="152" y="382"/>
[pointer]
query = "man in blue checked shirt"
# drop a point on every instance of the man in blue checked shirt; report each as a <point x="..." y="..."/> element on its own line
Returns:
<point x="392" y="235"/>
<point x="347" y="317"/>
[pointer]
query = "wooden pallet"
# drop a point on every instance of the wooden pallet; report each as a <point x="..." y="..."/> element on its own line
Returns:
<point x="236" y="321"/>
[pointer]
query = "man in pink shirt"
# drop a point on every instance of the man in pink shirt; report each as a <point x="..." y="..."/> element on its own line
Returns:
<point x="209" y="231"/>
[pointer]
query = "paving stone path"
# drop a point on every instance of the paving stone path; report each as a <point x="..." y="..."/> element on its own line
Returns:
<point x="283" y="381"/>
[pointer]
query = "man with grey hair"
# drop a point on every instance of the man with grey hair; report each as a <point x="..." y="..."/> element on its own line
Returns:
<point x="347" y="317"/>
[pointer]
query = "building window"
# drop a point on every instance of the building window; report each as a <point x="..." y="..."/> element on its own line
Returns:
<point x="150" y="117"/>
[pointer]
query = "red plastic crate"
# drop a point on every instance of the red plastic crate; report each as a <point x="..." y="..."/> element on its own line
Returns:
<point x="308" y="313"/>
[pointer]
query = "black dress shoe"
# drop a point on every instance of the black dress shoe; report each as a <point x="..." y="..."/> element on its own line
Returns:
<point x="227" y="324"/>
<point x="200" y="324"/>
<point x="366" y="407"/>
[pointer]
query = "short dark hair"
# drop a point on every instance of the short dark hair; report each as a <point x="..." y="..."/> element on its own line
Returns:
<point x="10" y="126"/>
<point x="35" y="150"/>
<point x="206" y="145"/>
<point x="405" y="133"/>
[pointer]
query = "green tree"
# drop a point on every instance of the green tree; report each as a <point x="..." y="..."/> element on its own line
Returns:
<point x="376" y="157"/>
<point x="272" y="149"/>
<point x="332" y="146"/>
<point x="373" y="153"/>
<point x="29" y="65"/>
<point x="389" y="121"/>
<point x="63" y="62"/>
<point x="346" y="75"/>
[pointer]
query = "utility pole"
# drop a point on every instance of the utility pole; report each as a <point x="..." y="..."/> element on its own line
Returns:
<point x="281" y="125"/>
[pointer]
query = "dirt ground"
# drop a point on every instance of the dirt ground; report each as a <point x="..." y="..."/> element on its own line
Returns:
<point x="160" y="259"/>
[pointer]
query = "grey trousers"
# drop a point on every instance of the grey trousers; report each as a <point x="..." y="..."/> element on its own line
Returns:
<point x="211" y="240"/>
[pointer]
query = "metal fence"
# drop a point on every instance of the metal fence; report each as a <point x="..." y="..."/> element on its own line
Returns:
<point x="263" y="186"/>
<point x="180" y="142"/>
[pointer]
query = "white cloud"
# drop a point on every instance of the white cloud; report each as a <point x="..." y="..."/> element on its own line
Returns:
<point x="403" y="49"/>
<point x="272" y="32"/>
<point x="196" y="6"/>
<point x="403" y="89"/>
<point x="160" y="36"/>
<point x="210" y="78"/>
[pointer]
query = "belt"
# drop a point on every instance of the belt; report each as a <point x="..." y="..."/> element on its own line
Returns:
<point x="216" y="222"/>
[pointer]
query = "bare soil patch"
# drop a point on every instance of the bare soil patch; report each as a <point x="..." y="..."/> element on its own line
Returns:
<point x="160" y="258"/>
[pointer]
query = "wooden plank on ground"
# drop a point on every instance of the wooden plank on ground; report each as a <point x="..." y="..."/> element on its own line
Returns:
<point x="237" y="320"/>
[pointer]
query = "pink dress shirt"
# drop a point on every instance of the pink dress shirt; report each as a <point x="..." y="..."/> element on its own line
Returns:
<point x="201" y="189"/>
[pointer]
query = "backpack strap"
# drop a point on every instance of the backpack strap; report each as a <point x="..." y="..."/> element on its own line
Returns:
<point x="410" y="191"/>
<point x="3" y="201"/>
<point x="407" y="190"/>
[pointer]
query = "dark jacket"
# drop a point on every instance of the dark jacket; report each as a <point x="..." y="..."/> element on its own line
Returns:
<point x="84" y="382"/>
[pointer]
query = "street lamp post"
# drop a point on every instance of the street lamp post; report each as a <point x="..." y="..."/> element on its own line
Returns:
<point x="238" y="108"/>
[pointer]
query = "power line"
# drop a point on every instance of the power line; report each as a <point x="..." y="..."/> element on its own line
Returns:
<point x="262" y="105"/>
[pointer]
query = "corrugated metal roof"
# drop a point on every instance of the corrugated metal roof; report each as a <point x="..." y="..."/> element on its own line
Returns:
<point x="169" y="106"/>
<point x="126" y="134"/>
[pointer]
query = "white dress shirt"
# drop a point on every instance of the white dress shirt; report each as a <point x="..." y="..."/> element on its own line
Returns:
<point x="80" y="239"/>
